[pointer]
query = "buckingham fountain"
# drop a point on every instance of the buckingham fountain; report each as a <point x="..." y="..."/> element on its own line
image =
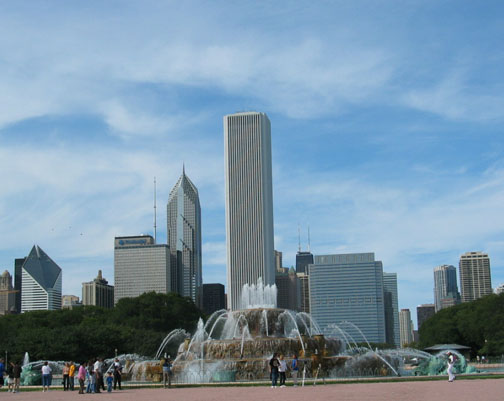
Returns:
<point x="237" y="346"/>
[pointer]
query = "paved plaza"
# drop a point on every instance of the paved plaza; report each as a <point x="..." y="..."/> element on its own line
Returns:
<point x="462" y="390"/>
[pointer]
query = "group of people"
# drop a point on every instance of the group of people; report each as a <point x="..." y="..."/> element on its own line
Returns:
<point x="13" y="371"/>
<point x="278" y="369"/>
<point x="92" y="376"/>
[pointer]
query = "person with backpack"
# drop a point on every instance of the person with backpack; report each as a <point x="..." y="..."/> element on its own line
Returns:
<point x="274" y="364"/>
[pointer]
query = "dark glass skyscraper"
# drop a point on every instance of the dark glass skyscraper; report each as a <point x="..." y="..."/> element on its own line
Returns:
<point x="303" y="259"/>
<point x="445" y="287"/>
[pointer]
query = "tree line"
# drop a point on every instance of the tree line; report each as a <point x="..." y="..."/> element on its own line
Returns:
<point x="134" y="325"/>
<point x="478" y="324"/>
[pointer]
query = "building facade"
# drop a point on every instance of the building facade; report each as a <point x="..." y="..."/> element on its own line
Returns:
<point x="303" y="259"/>
<point x="213" y="298"/>
<point x="475" y="278"/>
<point x="288" y="289"/>
<point x="348" y="290"/>
<point x="445" y="287"/>
<point x="249" y="202"/>
<point x="184" y="238"/>
<point x="304" y="292"/>
<point x="406" y="326"/>
<point x="140" y="265"/>
<point x="7" y="294"/>
<point x="18" y="278"/>
<point x="98" y="292"/>
<point x="70" y="301"/>
<point x="40" y="283"/>
<point x="391" y="309"/>
<point x="424" y="312"/>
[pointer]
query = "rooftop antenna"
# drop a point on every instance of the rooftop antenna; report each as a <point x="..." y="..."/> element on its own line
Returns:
<point x="155" y="226"/>
<point x="299" y="238"/>
<point x="308" y="238"/>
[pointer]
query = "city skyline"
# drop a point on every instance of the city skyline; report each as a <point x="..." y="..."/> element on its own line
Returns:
<point x="386" y="128"/>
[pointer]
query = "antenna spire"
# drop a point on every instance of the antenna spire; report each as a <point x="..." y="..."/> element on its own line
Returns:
<point x="299" y="238"/>
<point x="155" y="212"/>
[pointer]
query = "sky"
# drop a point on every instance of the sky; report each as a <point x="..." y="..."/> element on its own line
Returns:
<point x="386" y="118"/>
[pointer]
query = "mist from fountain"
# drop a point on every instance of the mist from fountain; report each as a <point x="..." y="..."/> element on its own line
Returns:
<point x="258" y="295"/>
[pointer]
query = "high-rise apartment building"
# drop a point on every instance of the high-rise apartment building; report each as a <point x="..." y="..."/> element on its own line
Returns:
<point x="391" y="309"/>
<point x="445" y="287"/>
<point x="140" y="265"/>
<point x="184" y="238"/>
<point x="475" y="279"/>
<point x="40" y="283"/>
<point x="348" y="288"/>
<point x="98" y="292"/>
<point x="249" y="202"/>
<point x="424" y="312"/>
<point x="7" y="294"/>
<point x="70" y="301"/>
<point x="406" y="326"/>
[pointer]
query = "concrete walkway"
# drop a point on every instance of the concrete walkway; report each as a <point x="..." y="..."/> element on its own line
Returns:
<point x="462" y="390"/>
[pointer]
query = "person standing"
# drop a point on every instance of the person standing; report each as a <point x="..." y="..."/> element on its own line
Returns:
<point x="274" y="364"/>
<point x="110" y="380"/>
<point x="167" y="366"/>
<point x="91" y="377"/>
<point x="117" y="373"/>
<point x="46" y="376"/>
<point x="451" y="363"/>
<point x="294" y="369"/>
<point x="81" y="376"/>
<point x="97" y="375"/>
<point x="71" y="375"/>
<point x="10" y="377"/>
<point x="17" y="376"/>
<point x="66" y="371"/>
<point x="282" y="369"/>
<point x="2" y="370"/>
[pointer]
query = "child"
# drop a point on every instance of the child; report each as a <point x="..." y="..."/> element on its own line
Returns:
<point x="110" y="380"/>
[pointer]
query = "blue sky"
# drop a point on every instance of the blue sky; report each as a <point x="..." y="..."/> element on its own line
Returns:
<point x="386" y="126"/>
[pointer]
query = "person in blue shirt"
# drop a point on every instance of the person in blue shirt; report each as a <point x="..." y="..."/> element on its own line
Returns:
<point x="294" y="369"/>
<point x="110" y="380"/>
<point x="2" y="370"/>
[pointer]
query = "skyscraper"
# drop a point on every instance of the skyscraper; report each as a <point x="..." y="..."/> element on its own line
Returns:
<point x="140" y="266"/>
<point x="348" y="288"/>
<point x="475" y="279"/>
<point x="406" y="326"/>
<point x="424" y="312"/>
<point x="445" y="287"/>
<point x="213" y="298"/>
<point x="391" y="309"/>
<point x="303" y="259"/>
<point x="7" y="294"/>
<point x="249" y="202"/>
<point x="184" y="238"/>
<point x="98" y="292"/>
<point x="41" y="282"/>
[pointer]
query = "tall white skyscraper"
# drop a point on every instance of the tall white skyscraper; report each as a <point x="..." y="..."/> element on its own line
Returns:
<point x="184" y="238"/>
<point x="249" y="202"/>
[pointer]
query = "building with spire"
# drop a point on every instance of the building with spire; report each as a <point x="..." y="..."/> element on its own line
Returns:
<point x="249" y="202"/>
<point x="98" y="292"/>
<point x="40" y="283"/>
<point x="184" y="238"/>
